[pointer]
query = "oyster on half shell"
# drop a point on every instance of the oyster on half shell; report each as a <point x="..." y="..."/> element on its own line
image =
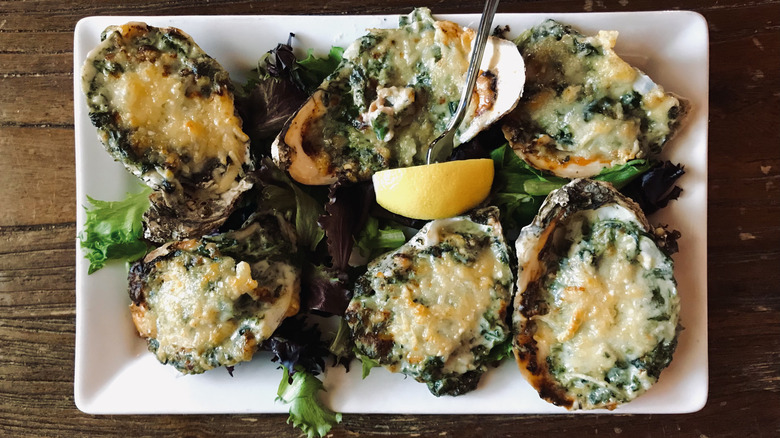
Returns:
<point x="584" y="108"/>
<point x="392" y="95"/>
<point x="596" y="315"/>
<point x="211" y="302"/>
<point x="164" y="109"/>
<point x="436" y="307"/>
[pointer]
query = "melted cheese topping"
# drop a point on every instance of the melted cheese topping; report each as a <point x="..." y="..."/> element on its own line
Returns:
<point x="426" y="59"/>
<point x="611" y="300"/>
<point x="194" y="306"/>
<point x="440" y="296"/>
<point x="198" y="313"/>
<point x="442" y="309"/>
<point x="587" y="109"/>
<point x="162" y="107"/>
<point x="171" y="122"/>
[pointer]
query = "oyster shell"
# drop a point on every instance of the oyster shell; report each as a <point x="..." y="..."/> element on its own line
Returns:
<point x="206" y="303"/>
<point x="391" y="96"/>
<point x="164" y="109"/>
<point x="585" y="109"/>
<point x="596" y="315"/>
<point x="434" y="308"/>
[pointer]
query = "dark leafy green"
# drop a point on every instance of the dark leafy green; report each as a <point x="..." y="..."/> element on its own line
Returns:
<point x="300" y="350"/>
<point x="297" y="346"/>
<point x="656" y="187"/>
<point x="280" y="193"/>
<point x="620" y="176"/>
<point x="373" y="240"/>
<point x="325" y="290"/>
<point x="277" y="88"/>
<point x="510" y="193"/>
<point x="367" y="364"/>
<point x="341" y="347"/>
<point x="500" y="352"/>
<point x="519" y="189"/>
<point x="347" y="210"/>
<point x="266" y="107"/>
<point x="309" y="73"/>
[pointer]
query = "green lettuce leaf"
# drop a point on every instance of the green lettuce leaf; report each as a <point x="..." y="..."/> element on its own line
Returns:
<point x="113" y="229"/>
<point x="300" y="392"/>
<point x="280" y="193"/>
<point x="621" y="175"/>
<point x="519" y="189"/>
<point x="368" y="364"/>
<point x="373" y="240"/>
<point x="309" y="73"/>
<point x="341" y="347"/>
<point x="307" y="212"/>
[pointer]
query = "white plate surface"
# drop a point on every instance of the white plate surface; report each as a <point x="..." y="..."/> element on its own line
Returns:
<point x="114" y="373"/>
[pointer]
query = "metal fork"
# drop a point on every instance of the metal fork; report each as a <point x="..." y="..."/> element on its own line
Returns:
<point x="442" y="146"/>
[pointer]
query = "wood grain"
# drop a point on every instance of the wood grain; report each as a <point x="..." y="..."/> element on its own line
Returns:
<point x="37" y="174"/>
<point x="37" y="231"/>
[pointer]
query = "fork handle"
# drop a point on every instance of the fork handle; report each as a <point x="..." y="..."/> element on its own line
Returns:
<point x="475" y="62"/>
<point x="477" y="51"/>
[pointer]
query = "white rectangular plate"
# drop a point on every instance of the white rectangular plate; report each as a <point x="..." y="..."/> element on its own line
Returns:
<point x="116" y="375"/>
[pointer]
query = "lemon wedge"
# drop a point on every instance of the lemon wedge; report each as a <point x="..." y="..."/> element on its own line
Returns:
<point x="434" y="191"/>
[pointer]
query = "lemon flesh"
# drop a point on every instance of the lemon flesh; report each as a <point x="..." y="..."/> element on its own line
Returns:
<point x="434" y="191"/>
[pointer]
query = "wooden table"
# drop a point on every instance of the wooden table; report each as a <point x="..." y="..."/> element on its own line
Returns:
<point x="38" y="211"/>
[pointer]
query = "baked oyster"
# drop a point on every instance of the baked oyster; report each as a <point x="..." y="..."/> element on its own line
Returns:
<point x="392" y="95"/>
<point x="164" y="108"/>
<point x="207" y="303"/>
<point x="435" y="308"/>
<point x="596" y="315"/>
<point x="584" y="108"/>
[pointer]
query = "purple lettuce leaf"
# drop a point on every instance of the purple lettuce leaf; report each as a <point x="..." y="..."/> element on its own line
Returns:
<point x="297" y="346"/>
<point x="345" y="215"/>
<point x="655" y="188"/>
<point x="325" y="290"/>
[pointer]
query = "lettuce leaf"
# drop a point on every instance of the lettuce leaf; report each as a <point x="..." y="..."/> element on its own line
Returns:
<point x="348" y="221"/>
<point x="300" y="391"/>
<point x="307" y="211"/>
<point x="309" y="73"/>
<point x="280" y="193"/>
<point x="113" y="229"/>
<point x="265" y="107"/>
<point x="373" y="241"/>
<point x="325" y="289"/>
<point x="297" y="346"/>
<point x="347" y="211"/>
<point x="519" y="189"/>
<point x="277" y="88"/>
<point x="341" y="346"/>
<point x="656" y="187"/>
<point x="621" y="175"/>
<point x="367" y="364"/>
